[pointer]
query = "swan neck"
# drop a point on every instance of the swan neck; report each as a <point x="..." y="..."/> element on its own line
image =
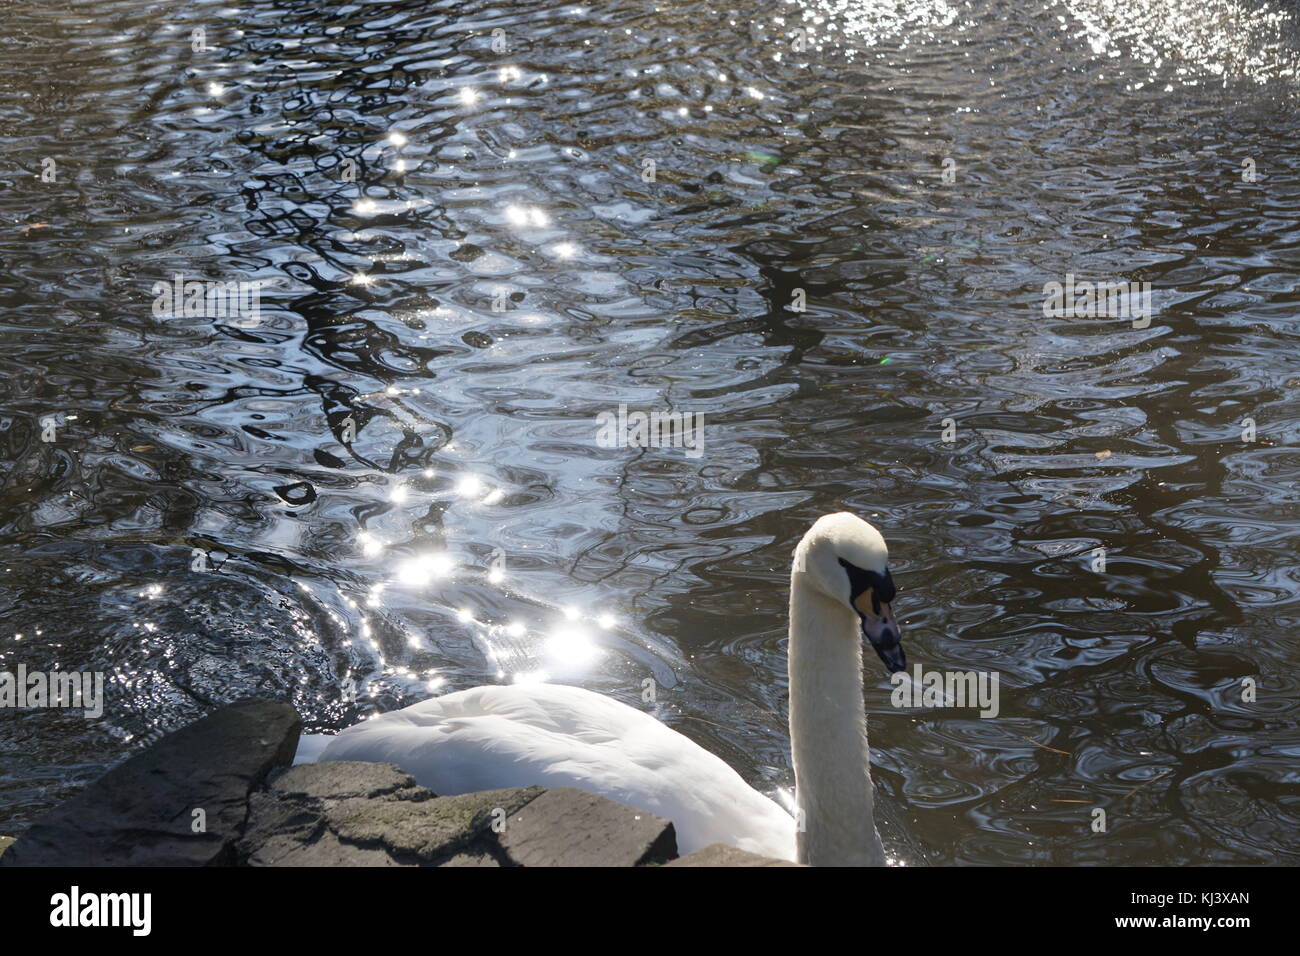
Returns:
<point x="828" y="733"/>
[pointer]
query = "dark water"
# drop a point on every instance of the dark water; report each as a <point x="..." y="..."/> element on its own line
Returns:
<point x="381" y="409"/>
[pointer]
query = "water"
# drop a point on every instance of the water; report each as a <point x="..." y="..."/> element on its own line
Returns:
<point x="640" y="191"/>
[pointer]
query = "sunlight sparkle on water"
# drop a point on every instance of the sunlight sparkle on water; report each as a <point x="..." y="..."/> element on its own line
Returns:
<point x="423" y="568"/>
<point x="526" y="216"/>
<point x="471" y="486"/>
<point x="572" y="646"/>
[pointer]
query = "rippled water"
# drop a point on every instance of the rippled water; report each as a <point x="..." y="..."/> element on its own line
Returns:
<point x="470" y="254"/>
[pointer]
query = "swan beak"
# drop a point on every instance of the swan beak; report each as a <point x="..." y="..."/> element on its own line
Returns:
<point x="885" y="636"/>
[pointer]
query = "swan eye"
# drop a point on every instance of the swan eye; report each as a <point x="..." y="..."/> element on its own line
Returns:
<point x="867" y="589"/>
<point x="867" y="602"/>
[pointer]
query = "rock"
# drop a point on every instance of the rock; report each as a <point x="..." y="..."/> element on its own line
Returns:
<point x="5" y="843"/>
<point x="720" y="854"/>
<point x="372" y="814"/>
<point x="567" y="827"/>
<point x="431" y="831"/>
<point x="288" y="822"/>
<point x="277" y="829"/>
<point x="141" y="812"/>
<point x="324" y="849"/>
<point x="472" y="859"/>
<point x="369" y="814"/>
<point x="338" y="779"/>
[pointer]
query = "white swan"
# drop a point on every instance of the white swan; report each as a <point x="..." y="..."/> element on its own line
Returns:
<point x="560" y="736"/>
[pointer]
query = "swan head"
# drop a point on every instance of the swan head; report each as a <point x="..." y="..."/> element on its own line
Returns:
<point x="845" y="558"/>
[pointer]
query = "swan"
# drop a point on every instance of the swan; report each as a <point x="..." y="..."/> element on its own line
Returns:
<point x="556" y="735"/>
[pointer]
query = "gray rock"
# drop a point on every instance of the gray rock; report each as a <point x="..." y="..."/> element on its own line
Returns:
<point x="472" y="859"/>
<point x="432" y="831"/>
<point x="567" y="827"/>
<point x="720" y="854"/>
<point x="338" y="779"/>
<point x="287" y="820"/>
<point x="371" y="814"/>
<point x="273" y="821"/>
<point x="324" y="849"/>
<point x="141" y="812"/>
<point x="361" y="814"/>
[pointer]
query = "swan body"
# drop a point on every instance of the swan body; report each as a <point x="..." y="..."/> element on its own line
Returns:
<point x="556" y="735"/>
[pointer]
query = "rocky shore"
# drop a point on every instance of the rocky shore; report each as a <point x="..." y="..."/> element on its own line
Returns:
<point x="222" y="792"/>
